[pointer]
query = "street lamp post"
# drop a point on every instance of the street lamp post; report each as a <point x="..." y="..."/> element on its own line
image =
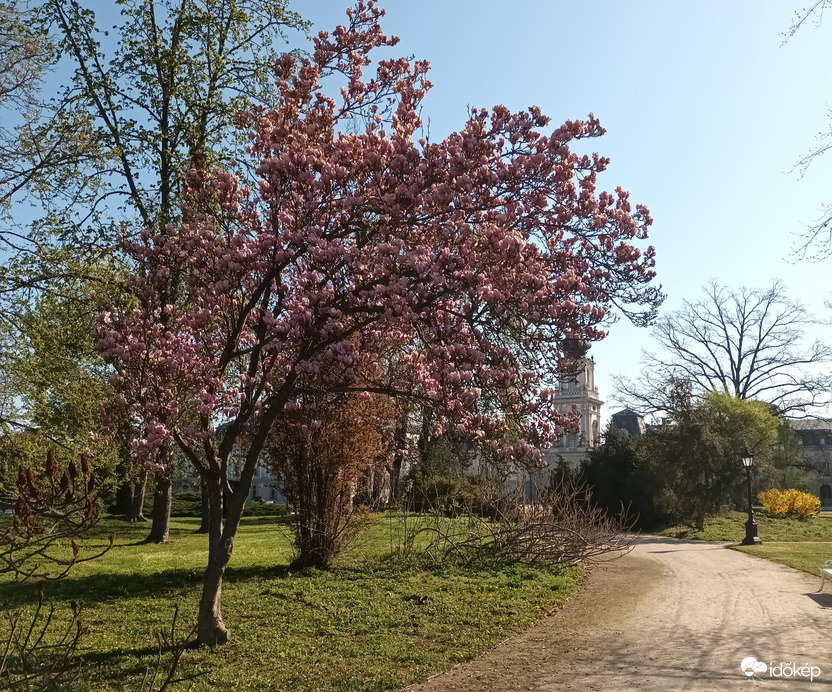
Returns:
<point x="750" y="525"/>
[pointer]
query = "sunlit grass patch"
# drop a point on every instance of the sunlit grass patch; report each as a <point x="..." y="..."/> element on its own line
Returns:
<point x="368" y="623"/>
<point x="807" y="556"/>
<point x="730" y="526"/>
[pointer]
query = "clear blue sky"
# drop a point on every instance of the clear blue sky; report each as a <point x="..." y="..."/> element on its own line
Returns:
<point x="706" y="113"/>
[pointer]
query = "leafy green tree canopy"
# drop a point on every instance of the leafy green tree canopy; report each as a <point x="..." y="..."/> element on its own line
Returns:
<point x="743" y="423"/>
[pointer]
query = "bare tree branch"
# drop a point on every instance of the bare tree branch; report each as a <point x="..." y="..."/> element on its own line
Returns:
<point x="749" y="342"/>
<point x="813" y="12"/>
<point x="816" y="241"/>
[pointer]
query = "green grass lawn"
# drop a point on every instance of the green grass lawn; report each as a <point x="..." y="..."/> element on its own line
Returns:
<point x="802" y="545"/>
<point x="730" y="526"/>
<point x="368" y="623"/>
<point x="807" y="556"/>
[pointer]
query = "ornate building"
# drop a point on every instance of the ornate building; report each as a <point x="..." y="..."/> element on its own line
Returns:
<point x="814" y="440"/>
<point x="576" y="389"/>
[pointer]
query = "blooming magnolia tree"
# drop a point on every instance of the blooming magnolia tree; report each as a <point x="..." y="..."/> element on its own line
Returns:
<point x="459" y="265"/>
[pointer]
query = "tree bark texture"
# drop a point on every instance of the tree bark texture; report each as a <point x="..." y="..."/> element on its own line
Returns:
<point x="206" y="512"/>
<point x="211" y="629"/>
<point x="162" y="498"/>
<point x="398" y="458"/>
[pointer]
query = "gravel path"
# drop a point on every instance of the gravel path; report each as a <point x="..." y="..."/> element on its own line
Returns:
<point x="671" y="615"/>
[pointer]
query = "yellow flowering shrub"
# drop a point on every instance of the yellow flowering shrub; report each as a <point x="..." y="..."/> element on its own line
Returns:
<point x="790" y="503"/>
<point x="804" y="505"/>
<point x="774" y="502"/>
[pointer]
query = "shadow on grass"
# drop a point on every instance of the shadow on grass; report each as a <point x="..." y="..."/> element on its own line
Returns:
<point x="145" y="658"/>
<point x="110" y="587"/>
<point x="107" y="587"/>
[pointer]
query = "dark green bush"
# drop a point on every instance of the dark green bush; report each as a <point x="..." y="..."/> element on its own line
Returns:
<point x="186" y="505"/>
<point x="190" y="505"/>
<point x="265" y="509"/>
<point x="451" y="494"/>
<point x="620" y="475"/>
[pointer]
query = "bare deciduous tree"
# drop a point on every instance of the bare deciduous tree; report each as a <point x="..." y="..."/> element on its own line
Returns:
<point x="816" y="241"/>
<point x="749" y="342"/>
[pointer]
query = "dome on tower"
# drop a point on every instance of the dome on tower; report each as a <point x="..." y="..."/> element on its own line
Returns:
<point x="575" y="348"/>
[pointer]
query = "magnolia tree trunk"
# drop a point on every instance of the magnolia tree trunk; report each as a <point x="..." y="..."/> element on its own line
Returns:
<point x="205" y="523"/>
<point x="211" y="629"/>
<point x="162" y="498"/>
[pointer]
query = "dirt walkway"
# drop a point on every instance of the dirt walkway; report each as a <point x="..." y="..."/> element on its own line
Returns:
<point x="671" y="615"/>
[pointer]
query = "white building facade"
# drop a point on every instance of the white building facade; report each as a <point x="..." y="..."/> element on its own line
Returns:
<point x="578" y="392"/>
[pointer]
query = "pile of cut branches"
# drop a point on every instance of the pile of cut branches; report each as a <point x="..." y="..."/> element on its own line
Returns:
<point x="562" y="527"/>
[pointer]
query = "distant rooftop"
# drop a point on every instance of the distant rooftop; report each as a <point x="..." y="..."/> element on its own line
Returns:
<point x="626" y="412"/>
<point x="811" y="424"/>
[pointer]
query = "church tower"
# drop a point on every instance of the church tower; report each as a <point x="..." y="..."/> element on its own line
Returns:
<point x="577" y="389"/>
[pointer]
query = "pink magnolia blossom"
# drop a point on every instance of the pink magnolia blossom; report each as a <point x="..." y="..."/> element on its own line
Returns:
<point x="461" y="264"/>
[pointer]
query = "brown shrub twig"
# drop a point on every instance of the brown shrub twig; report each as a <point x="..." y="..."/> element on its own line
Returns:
<point x="53" y="509"/>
